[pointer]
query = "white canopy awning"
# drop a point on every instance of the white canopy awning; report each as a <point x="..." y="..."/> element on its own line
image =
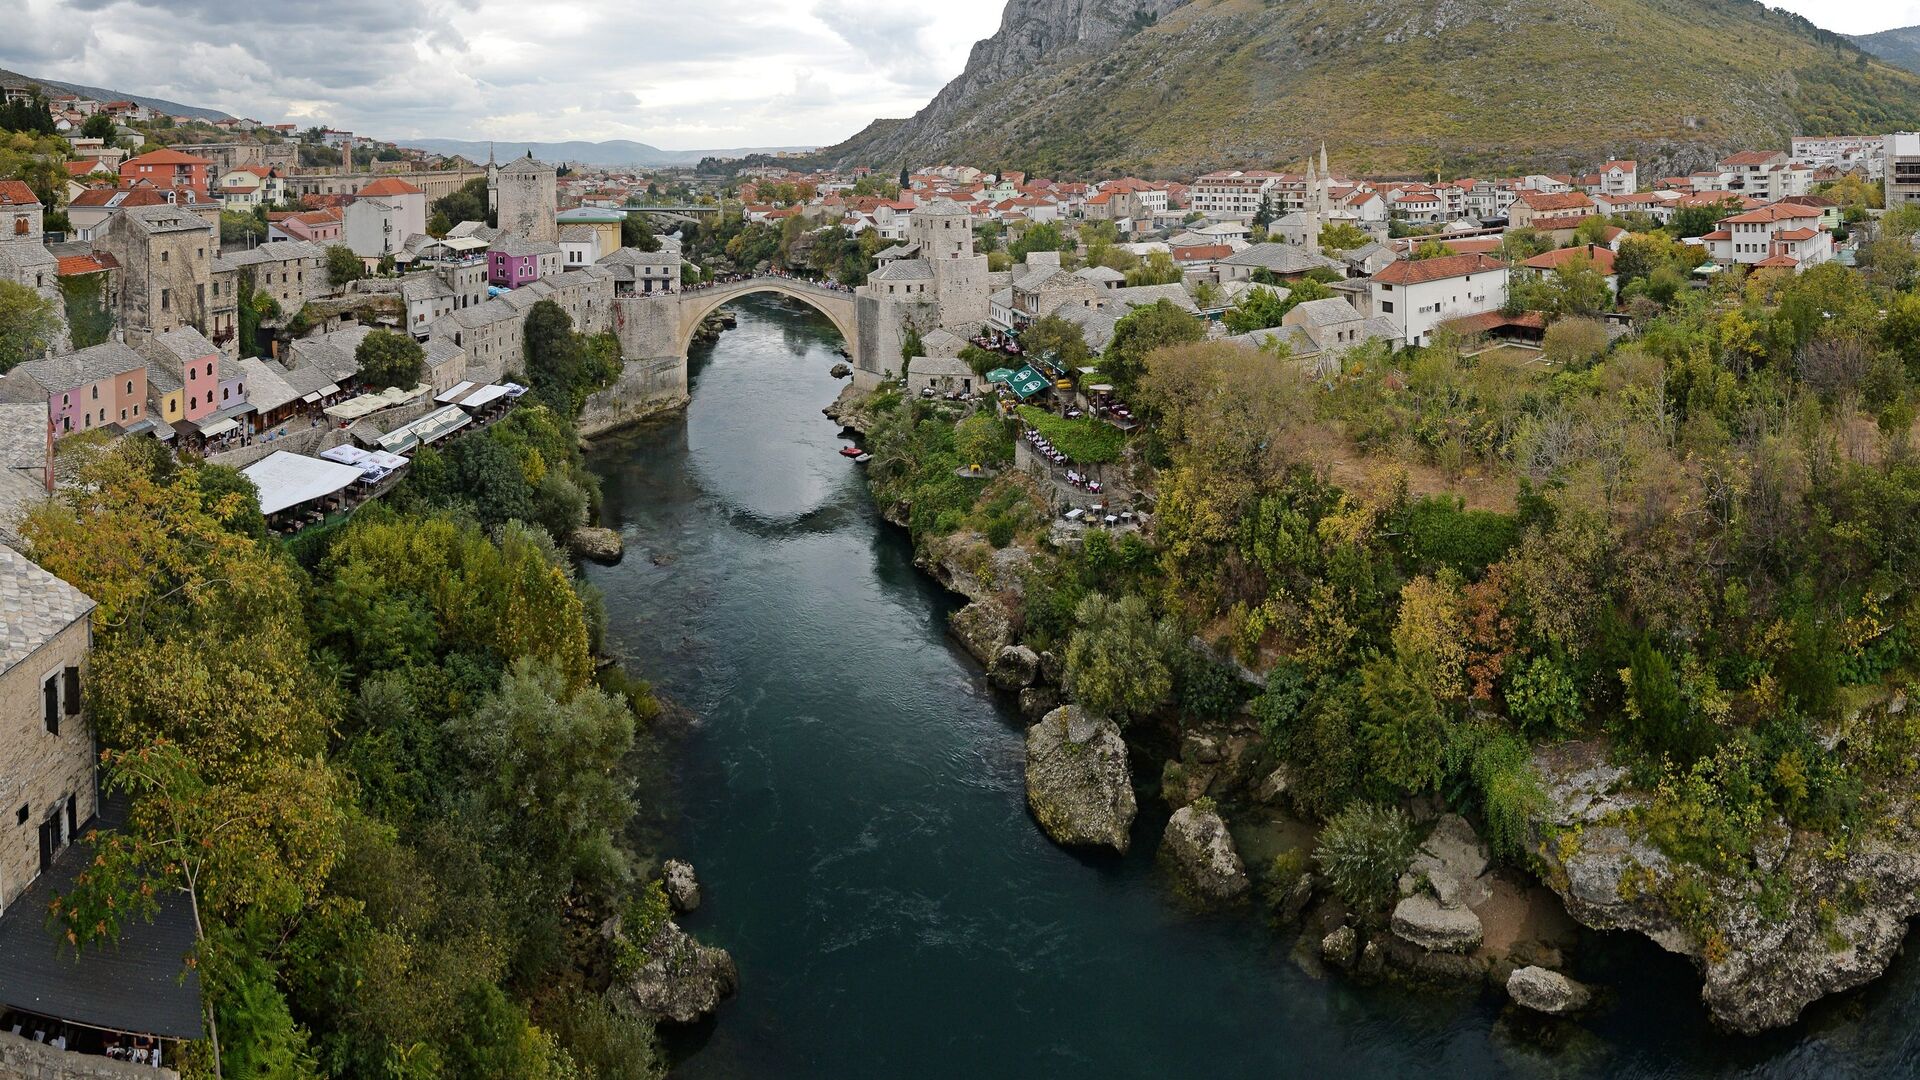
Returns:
<point x="220" y="427"/>
<point x="452" y="393"/>
<point x="484" y="395"/>
<point x="286" y="479"/>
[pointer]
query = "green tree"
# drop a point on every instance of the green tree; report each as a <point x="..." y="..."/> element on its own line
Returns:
<point x="390" y="358"/>
<point x="1261" y="307"/>
<point x="1053" y="336"/>
<point x="1119" y="660"/>
<point x="29" y="325"/>
<point x="1341" y="236"/>
<point x="1143" y="330"/>
<point x="1042" y="236"/>
<point x="636" y="233"/>
<point x="1158" y="268"/>
<point x="89" y="320"/>
<point x="1430" y="249"/>
<point x="343" y="266"/>
<point x="467" y="203"/>
<point x="98" y="126"/>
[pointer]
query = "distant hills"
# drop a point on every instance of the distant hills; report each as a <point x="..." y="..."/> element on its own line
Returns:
<point x="1901" y="46"/>
<point x="98" y="93"/>
<point x="612" y="152"/>
<point x="1173" y="87"/>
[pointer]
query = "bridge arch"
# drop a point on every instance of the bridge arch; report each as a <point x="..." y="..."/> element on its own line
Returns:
<point x="838" y="307"/>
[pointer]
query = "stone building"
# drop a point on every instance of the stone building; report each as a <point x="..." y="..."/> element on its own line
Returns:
<point x="493" y="334"/>
<point x="526" y="193"/>
<point x="944" y="286"/>
<point x="165" y="282"/>
<point x="46" y="741"/>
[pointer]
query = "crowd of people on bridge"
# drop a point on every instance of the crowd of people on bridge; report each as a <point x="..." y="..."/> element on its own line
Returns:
<point x="723" y="280"/>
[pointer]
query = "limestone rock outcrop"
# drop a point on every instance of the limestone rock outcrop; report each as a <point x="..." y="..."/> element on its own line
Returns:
<point x="681" y="980"/>
<point x="1198" y="851"/>
<point x="1547" y="991"/>
<point x="683" y="888"/>
<point x="1079" y="786"/>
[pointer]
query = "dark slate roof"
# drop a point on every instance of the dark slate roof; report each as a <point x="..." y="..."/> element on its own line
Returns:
<point x="134" y="985"/>
<point x="35" y="606"/>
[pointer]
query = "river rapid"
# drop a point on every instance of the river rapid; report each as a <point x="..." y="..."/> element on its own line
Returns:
<point x="851" y="795"/>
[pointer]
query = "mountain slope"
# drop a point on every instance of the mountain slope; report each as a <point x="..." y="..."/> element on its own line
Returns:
<point x="613" y="152"/>
<point x="1900" y="47"/>
<point x="1394" y="85"/>
<point x="96" y="93"/>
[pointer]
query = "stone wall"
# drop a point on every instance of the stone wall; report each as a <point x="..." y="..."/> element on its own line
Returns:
<point x="645" y="388"/>
<point x="648" y="327"/>
<point x="24" y="1059"/>
<point x="47" y="769"/>
<point x="882" y="324"/>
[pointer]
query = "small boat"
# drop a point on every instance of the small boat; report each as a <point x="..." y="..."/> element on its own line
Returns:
<point x="863" y="459"/>
<point x="851" y="451"/>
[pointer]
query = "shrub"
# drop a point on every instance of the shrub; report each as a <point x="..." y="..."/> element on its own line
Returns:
<point x="1118" y="661"/>
<point x="1497" y="765"/>
<point x="1085" y="441"/>
<point x="1542" y="698"/>
<point x="1000" y="531"/>
<point x="1440" y="531"/>
<point x="1575" y="342"/>
<point x="1362" y="853"/>
<point x="1404" y="729"/>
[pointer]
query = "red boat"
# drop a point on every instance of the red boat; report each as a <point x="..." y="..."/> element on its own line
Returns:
<point x="851" y="451"/>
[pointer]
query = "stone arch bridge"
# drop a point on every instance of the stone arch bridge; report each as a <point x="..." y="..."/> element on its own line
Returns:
<point x="656" y="330"/>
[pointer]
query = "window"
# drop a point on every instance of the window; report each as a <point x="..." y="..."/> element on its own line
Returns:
<point x="166" y="299"/>
<point x="1386" y="306"/>
<point x="129" y="386"/>
<point x="96" y="392"/>
<point x="50" y="704"/>
<point x="163" y="256"/>
<point x="21" y="817"/>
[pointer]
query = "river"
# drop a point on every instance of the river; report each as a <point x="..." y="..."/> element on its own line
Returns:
<point x="852" y="798"/>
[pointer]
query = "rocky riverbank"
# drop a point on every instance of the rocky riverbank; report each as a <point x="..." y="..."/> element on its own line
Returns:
<point x="1810" y="918"/>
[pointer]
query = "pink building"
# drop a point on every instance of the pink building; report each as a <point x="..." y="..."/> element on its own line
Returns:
<point x="103" y="386"/>
<point x="194" y="366"/>
<point x="514" y="262"/>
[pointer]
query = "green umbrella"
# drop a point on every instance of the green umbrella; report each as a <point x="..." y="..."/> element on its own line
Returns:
<point x="1000" y="375"/>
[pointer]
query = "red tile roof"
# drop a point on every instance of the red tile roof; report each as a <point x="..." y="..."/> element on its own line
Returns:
<point x="17" y="193"/>
<point x="1571" y="200"/>
<point x="1775" y="212"/>
<point x="1202" y="252"/>
<point x="1601" y="257"/>
<point x="1777" y="262"/>
<point x="1414" y="272"/>
<point x="75" y="265"/>
<point x="388" y="186"/>
<point x="1488" y="321"/>
<point x="165" y="156"/>
<point x="1796" y="235"/>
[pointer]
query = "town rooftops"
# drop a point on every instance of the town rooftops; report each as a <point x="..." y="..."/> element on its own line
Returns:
<point x="34" y="607"/>
<point x="903" y="270"/>
<point x="1418" y="271"/>
<point x="942" y="207"/>
<point x="1329" y="311"/>
<point x="17" y="193"/>
<point x="525" y="165"/>
<point x="98" y="262"/>
<point x="519" y="247"/>
<point x="1751" y="158"/>
<point x="68" y="371"/>
<point x="388" y="187"/>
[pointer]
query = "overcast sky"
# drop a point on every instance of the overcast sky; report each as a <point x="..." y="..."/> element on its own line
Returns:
<point x="679" y="75"/>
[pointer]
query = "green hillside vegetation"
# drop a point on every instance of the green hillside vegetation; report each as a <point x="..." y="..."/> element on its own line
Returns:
<point x="1398" y="85"/>
<point x="1697" y="545"/>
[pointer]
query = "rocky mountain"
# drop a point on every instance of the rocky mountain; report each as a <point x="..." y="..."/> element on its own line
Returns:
<point x="1173" y="86"/>
<point x="612" y="152"/>
<point x="1900" y="46"/>
<point x="96" y="93"/>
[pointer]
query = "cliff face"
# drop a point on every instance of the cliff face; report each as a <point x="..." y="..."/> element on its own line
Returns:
<point x="1175" y="86"/>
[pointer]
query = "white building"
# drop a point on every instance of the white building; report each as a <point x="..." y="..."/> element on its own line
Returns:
<point x="1416" y="296"/>
<point x="1902" y="168"/>
<point x="1782" y="236"/>
<point x="1231" y="194"/>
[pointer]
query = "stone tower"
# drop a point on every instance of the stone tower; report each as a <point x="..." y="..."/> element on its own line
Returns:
<point x="944" y="231"/>
<point x="527" y="200"/>
<point x="493" y="182"/>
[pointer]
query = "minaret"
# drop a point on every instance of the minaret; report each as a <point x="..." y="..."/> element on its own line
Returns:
<point x="1311" y="207"/>
<point x="493" y="180"/>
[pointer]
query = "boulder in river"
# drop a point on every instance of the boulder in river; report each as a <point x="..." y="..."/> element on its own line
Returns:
<point x="1547" y="991"/>
<point x="683" y="889"/>
<point x="1341" y="947"/>
<point x="680" y="980"/>
<point x="1199" y="852"/>
<point x="1015" y="667"/>
<point x="983" y="629"/>
<point x="840" y="371"/>
<point x="600" y="545"/>
<point x="1078" y="783"/>
<point x="1421" y="920"/>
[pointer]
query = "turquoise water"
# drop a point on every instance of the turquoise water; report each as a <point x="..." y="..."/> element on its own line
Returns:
<point x="851" y="796"/>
